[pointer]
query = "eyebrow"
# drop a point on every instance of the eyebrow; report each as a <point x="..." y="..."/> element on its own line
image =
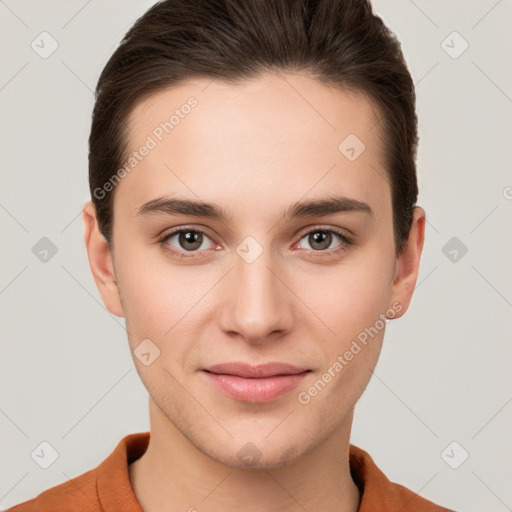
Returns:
<point x="313" y="208"/>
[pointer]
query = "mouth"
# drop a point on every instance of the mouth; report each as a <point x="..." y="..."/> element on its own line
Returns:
<point x="255" y="384"/>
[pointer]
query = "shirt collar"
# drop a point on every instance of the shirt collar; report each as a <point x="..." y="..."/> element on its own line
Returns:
<point x="116" y="492"/>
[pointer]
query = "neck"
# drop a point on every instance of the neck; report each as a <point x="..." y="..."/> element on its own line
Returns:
<point x="173" y="471"/>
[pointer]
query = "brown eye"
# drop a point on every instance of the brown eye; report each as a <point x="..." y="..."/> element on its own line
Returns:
<point x="190" y="240"/>
<point x="320" y="239"/>
<point x="183" y="241"/>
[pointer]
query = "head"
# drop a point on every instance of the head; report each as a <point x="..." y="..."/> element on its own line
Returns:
<point x="280" y="138"/>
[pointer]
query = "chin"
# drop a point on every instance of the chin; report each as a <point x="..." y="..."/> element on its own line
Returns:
<point x="253" y="455"/>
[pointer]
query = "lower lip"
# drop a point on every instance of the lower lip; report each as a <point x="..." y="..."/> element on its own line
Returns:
<point x="258" y="390"/>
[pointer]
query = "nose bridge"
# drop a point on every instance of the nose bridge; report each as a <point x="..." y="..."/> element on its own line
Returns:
<point x="260" y="301"/>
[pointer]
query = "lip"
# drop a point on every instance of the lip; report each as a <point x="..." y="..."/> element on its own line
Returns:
<point x="255" y="384"/>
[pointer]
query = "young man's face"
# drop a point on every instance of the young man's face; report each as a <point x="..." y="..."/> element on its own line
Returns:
<point x="260" y="286"/>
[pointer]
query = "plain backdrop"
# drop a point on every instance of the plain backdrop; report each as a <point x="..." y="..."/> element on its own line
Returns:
<point x="67" y="377"/>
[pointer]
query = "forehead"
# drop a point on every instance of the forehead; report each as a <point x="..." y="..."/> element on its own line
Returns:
<point x="281" y="134"/>
<point x="261" y="105"/>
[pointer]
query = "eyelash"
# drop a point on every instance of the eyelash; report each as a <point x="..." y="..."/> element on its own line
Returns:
<point x="346" y="241"/>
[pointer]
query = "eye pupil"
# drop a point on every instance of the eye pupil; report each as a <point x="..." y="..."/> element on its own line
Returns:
<point x="190" y="237"/>
<point x="321" y="237"/>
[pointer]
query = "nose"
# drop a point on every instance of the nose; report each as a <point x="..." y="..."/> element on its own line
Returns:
<point x="258" y="303"/>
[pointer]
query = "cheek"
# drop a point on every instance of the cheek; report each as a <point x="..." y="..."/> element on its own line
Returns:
<point x="351" y="297"/>
<point x="161" y="299"/>
<point x="350" y="301"/>
<point x="149" y="303"/>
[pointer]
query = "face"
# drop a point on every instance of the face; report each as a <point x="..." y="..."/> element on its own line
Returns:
<point x="292" y="261"/>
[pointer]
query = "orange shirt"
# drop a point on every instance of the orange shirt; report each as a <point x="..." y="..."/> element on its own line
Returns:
<point x="107" y="488"/>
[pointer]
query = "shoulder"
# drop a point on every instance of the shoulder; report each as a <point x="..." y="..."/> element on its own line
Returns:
<point x="79" y="493"/>
<point x="106" y="487"/>
<point x="379" y="493"/>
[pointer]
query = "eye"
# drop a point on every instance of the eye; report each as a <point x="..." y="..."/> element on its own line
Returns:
<point x="321" y="240"/>
<point x="185" y="241"/>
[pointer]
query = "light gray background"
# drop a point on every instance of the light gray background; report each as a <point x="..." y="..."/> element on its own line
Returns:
<point x="66" y="373"/>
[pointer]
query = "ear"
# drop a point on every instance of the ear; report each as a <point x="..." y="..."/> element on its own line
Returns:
<point x="408" y="262"/>
<point x="100" y="261"/>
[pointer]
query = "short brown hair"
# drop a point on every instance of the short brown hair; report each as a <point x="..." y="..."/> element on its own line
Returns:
<point x="337" y="42"/>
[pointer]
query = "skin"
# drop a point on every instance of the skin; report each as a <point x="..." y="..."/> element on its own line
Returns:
<point x="254" y="149"/>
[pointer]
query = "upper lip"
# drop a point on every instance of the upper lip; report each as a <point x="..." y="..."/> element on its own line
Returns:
<point x="241" y="369"/>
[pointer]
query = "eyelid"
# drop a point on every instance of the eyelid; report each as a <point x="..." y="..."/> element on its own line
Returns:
<point x="176" y="231"/>
<point x="343" y="232"/>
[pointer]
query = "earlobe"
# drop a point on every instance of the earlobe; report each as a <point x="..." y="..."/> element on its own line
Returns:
<point x="100" y="261"/>
<point x="408" y="261"/>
